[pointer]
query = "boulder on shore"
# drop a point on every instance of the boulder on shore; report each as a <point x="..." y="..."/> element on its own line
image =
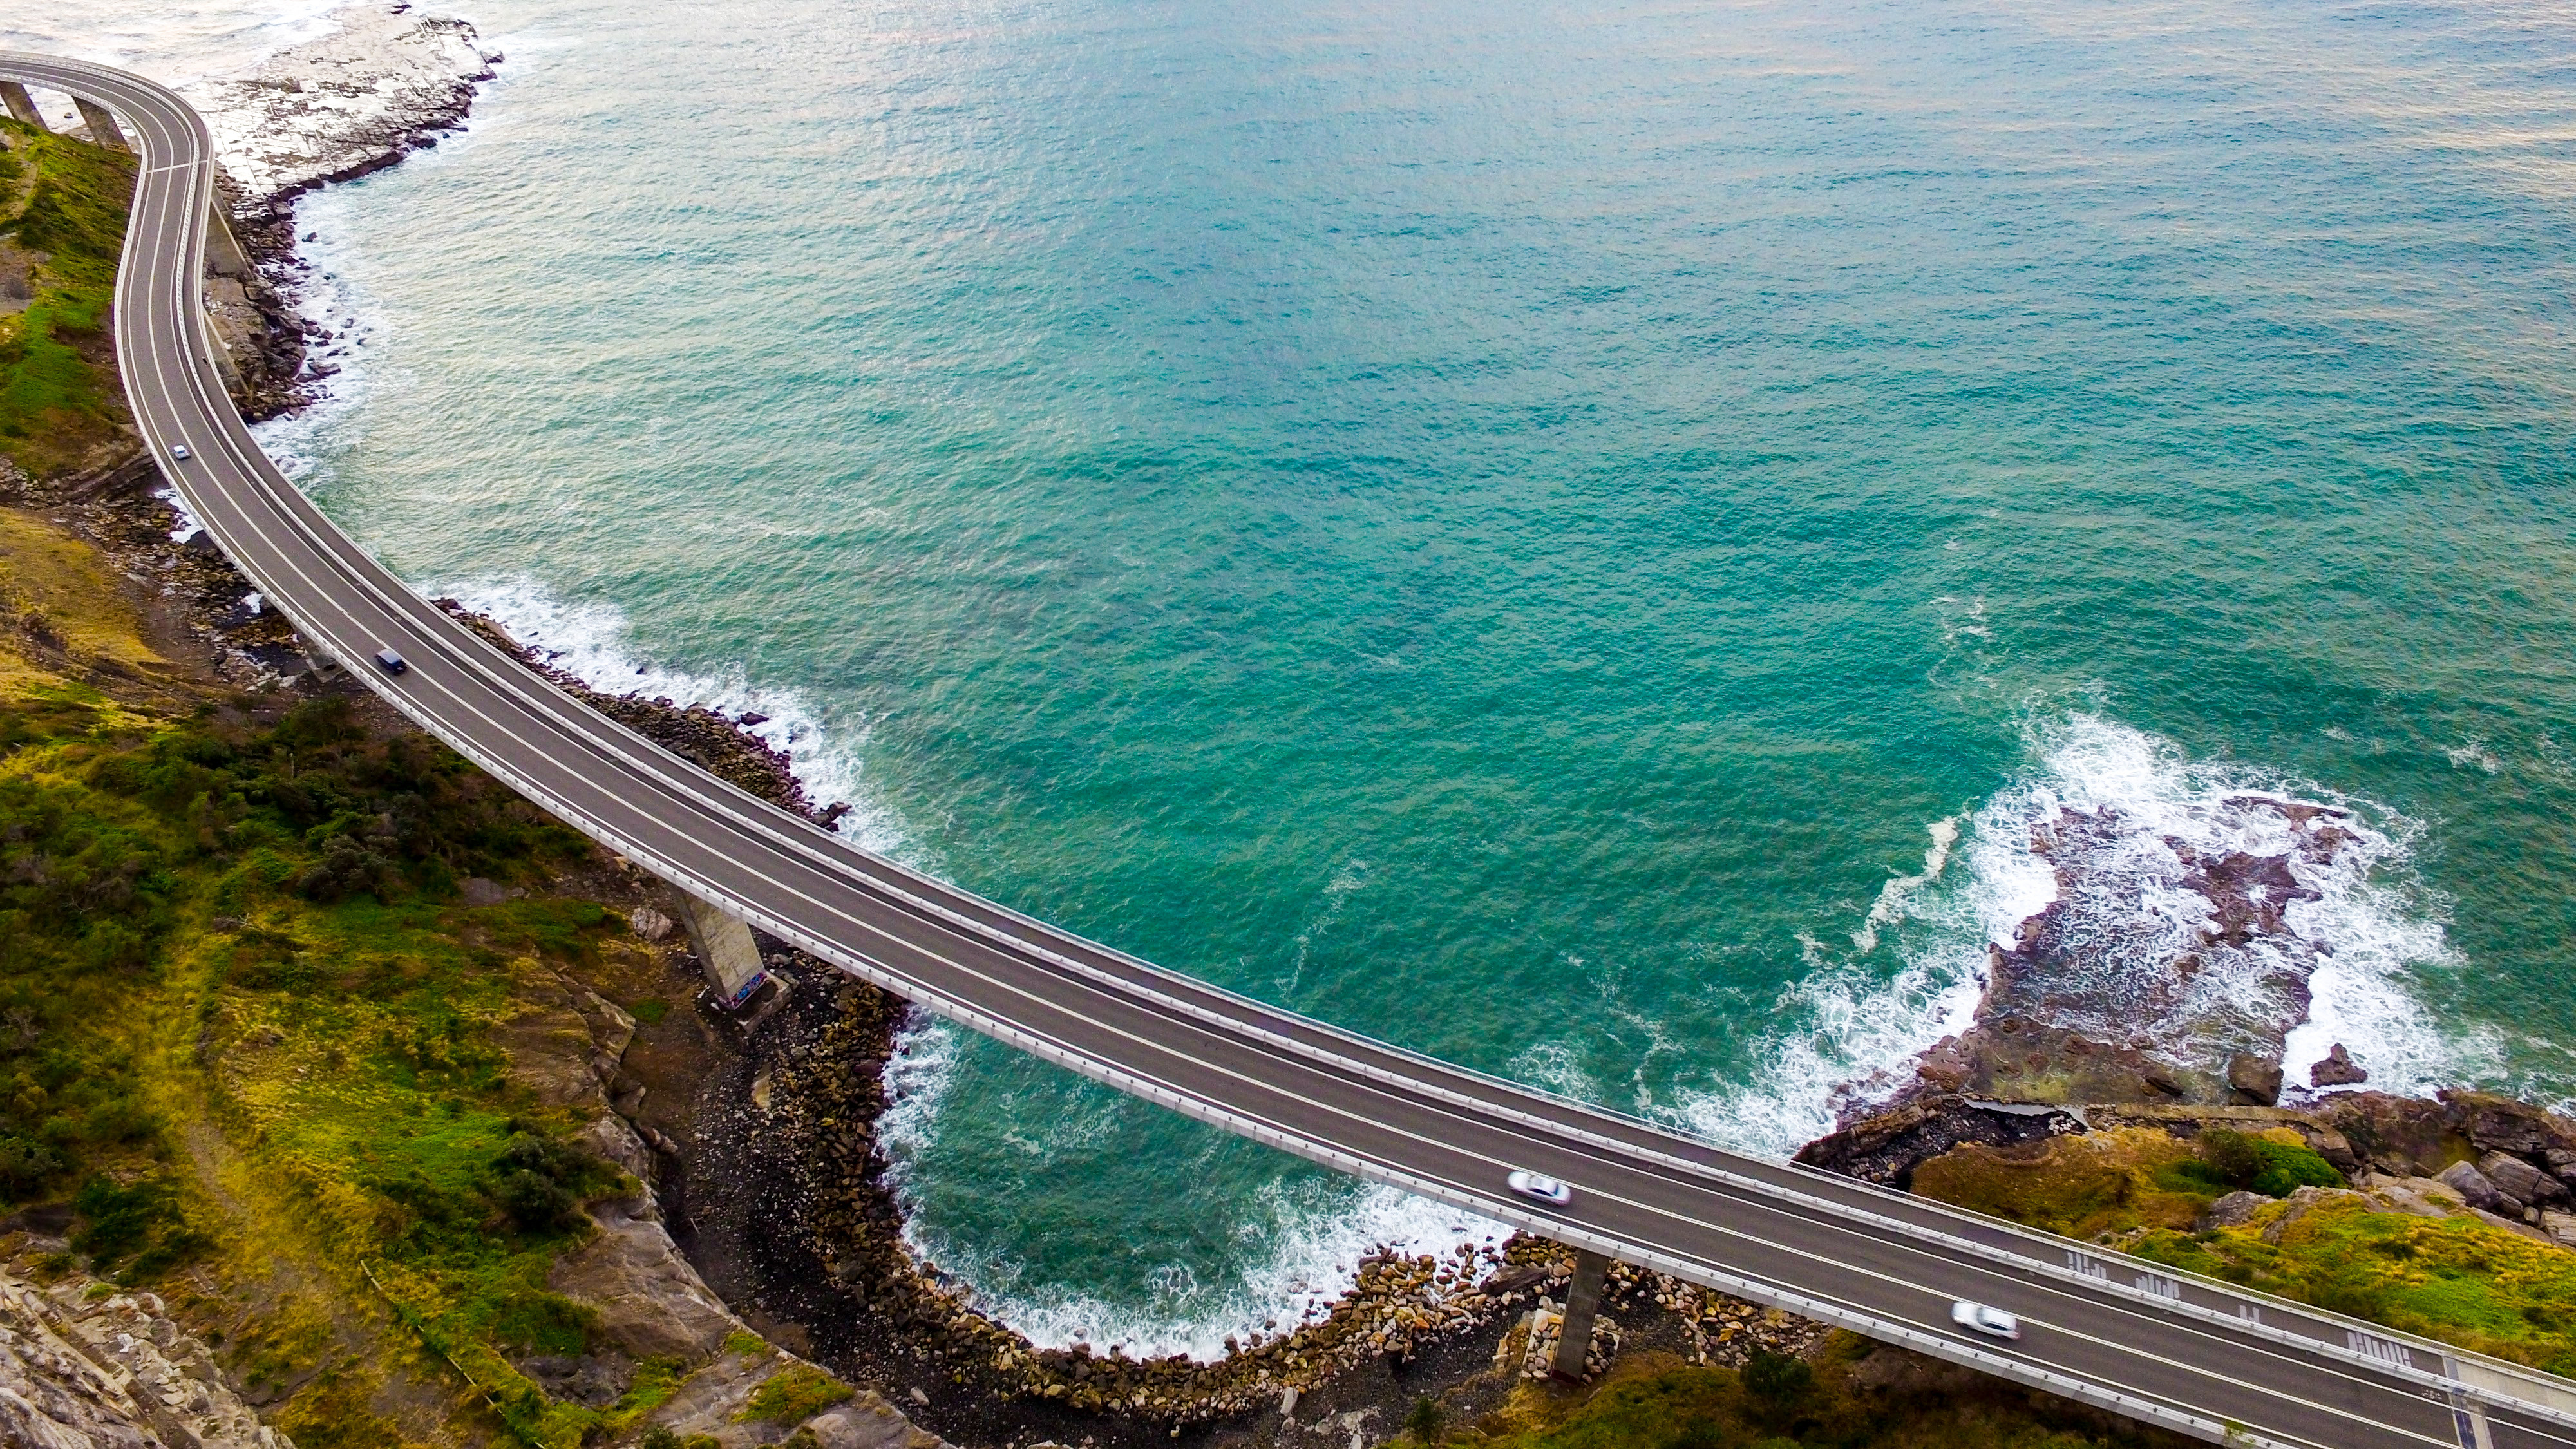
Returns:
<point x="2337" y="1070"/>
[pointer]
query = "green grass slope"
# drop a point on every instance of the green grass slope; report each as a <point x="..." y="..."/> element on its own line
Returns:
<point x="248" y="1033"/>
<point x="62" y="215"/>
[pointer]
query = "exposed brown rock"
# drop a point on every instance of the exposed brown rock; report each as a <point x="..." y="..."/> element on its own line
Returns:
<point x="1887" y="1147"/>
<point x="652" y="1303"/>
<point x="2337" y="1070"/>
<point x="2474" y="1187"/>
<point x="2253" y="1081"/>
<point x="2104" y="995"/>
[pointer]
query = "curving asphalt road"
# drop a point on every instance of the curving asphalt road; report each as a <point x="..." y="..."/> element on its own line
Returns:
<point x="2192" y="1355"/>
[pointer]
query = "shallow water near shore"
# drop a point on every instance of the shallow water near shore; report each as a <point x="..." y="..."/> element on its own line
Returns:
<point x="1576" y="541"/>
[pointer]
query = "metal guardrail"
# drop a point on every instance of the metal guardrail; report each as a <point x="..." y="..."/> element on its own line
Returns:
<point x="2464" y="1376"/>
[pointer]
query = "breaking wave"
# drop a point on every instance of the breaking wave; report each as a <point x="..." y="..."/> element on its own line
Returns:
<point x="2370" y="930"/>
<point x="1304" y="1239"/>
<point x="593" y="642"/>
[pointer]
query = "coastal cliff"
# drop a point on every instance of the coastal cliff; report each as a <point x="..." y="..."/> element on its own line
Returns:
<point x="408" y="1102"/>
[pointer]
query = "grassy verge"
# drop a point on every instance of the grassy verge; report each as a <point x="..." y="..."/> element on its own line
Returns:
<point x="2458" y="1279"/>
<point x="247" y="1032"/>
<point x="62" y="221"/>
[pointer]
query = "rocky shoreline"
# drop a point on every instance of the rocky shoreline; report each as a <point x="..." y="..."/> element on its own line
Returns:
<point x="778" y="1196"/>
<point x="788" y="1119"/>
<point x="2159" y="972"/>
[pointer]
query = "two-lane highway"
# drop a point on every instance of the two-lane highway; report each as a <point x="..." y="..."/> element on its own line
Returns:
<point x="2192" y="1355"/>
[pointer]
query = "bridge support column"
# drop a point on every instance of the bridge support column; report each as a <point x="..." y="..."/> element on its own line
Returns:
<point x="22" y="106"/>
<point x="726" y="952"/>
<point x="1582" y="1305"/>
<point x="102" y="124"/>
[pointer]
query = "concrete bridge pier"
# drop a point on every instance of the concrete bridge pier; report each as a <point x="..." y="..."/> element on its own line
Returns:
<point x="225" y="255"/>
<point x="1582" y="1305"/>
<point x="726" y="952"/>
<point x="102" y="124"/>
<point x="22" y="106"/>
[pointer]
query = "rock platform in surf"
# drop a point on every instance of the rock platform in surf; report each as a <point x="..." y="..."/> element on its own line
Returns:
<point x="2161" y="971"/>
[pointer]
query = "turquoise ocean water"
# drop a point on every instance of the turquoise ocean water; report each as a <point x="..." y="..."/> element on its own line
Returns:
<point x="1571" y="538"/>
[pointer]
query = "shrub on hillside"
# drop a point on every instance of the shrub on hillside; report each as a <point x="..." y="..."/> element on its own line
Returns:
<point x="1777" y="1378"/>
<point x="2229" y="1161"/>
<point x="539" y="1184"/>
<point x="794" y="1394"/>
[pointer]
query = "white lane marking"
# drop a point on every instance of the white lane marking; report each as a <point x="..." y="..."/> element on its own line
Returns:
<point x="1156" y="1088"/>
<point x="870" y="926"/>
<point x="413" y="625"/>
<point x="336" y="547"/>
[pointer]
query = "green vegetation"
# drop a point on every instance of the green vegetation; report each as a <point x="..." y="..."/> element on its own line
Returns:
<point x="62" y="222"/>
<point x="2457" y="1279"/>
<point x="794" y="1394"/>
<point x="2232" y="1161"/>
<point x="243" y="1013"/>
<point x="2082" y="1186"/>
<point x="2122" y="1180"/>
<point x="1844" y="1401"/>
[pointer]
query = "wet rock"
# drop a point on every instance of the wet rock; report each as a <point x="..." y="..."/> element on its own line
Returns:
<point x="1887" y="1147"/>
<point x="241" y="616"/>
<point x="2337" y="1070"/>
<point x="379" y="85"/>
<point x="2254" y="1080"/>
<point x="2473" y="1186"/>
<point x="2164" y="972"/>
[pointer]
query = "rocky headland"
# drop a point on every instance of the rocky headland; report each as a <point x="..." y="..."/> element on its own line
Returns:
<point x="753" y="1236"/>
<point x="2160" y="972"/>
<point x="386" y="80"/>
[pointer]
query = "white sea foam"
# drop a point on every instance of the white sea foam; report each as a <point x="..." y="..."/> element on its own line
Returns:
<point x="1861" y="1029"/>
<point x="1306" y="1238"/>
<point x="1554" y="1066"/>
<point x="1894" y="896"/>
<point x="188" y="522"/>
<point x="176" y="41"/>
<point x="592" y="641"/>
<point x="329" y="295"/>
<point x="1858" y="1032"/>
